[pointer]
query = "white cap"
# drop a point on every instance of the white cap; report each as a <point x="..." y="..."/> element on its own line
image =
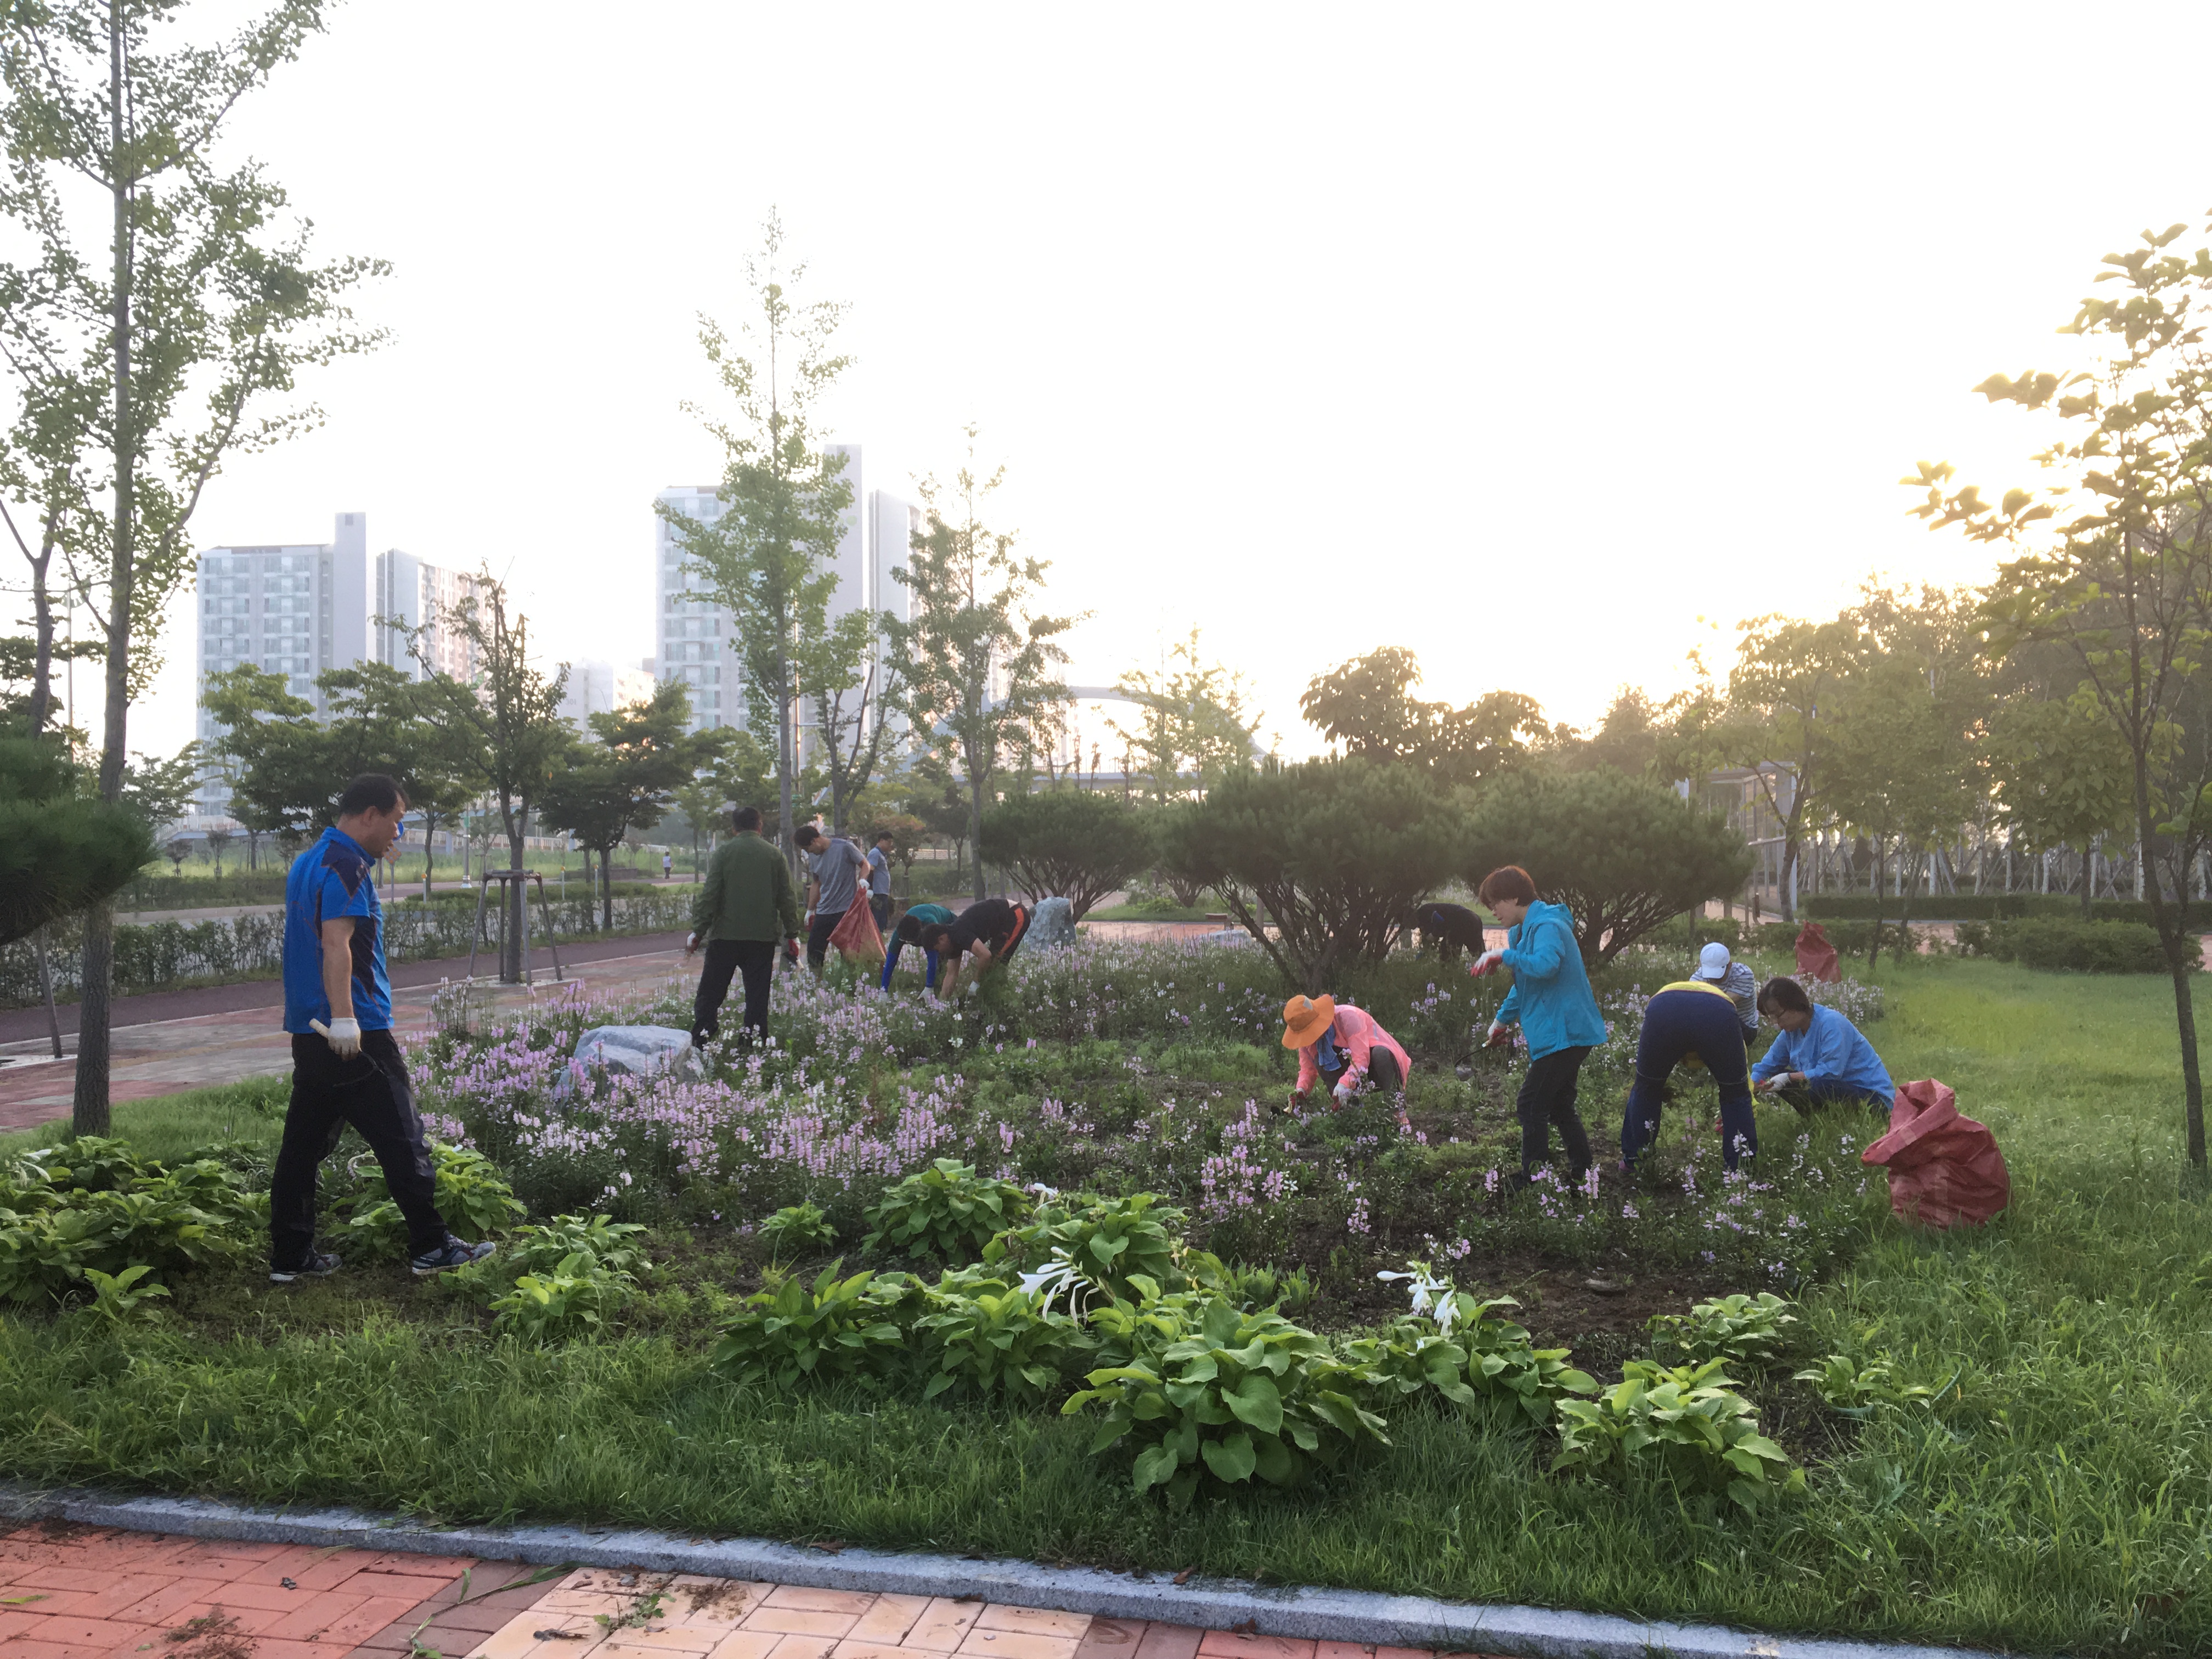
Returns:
<point x="1713" y="962"/>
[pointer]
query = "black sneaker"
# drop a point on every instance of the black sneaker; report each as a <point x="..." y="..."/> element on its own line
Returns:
<point x="319" y="1265"/>
<point x="449" y="1255"/>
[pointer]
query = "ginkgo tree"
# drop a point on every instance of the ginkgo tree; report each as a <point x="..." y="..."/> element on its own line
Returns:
<point x="2111" y="561"/>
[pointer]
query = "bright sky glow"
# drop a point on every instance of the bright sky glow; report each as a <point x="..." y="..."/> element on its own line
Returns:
<point x="1524" y="338"/>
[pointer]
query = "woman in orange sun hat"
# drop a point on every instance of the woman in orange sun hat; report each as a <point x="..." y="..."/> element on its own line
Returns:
<point x="1343" y="1046"/>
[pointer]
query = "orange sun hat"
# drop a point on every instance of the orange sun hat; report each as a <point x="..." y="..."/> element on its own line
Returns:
<point x="1305" y="1019"/>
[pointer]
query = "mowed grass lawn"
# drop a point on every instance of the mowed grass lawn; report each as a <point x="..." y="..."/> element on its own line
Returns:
<point x="2058" y="1500"/>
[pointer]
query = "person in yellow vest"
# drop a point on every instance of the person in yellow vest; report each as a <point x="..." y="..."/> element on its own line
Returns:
<point x="1691" y="1019"/>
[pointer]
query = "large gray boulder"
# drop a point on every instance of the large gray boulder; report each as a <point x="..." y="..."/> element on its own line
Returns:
<point x="1052" y="926"/>
<point x="632" y="1051"/>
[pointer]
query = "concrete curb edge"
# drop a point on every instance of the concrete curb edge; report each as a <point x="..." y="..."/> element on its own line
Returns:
<point x="1337" y="1615"/>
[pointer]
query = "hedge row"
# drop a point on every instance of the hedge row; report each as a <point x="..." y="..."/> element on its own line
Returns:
<point x="161" y="956"/>
<point x="1973" y="907"/>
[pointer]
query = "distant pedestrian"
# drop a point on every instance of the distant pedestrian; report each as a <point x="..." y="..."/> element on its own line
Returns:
<point x="986" y="933"/>
<point x="908" y="932"/>
<point x="833" y="889"/>
<point x="1737" y="981"/>
<point x="346" y="1065"/>
<point x="667" y="865"/>
<point x="1551" y="1002"/>
<point x="748" y="903"/>
<point x="1451" y="928"/>
<point x="879" y="878"/>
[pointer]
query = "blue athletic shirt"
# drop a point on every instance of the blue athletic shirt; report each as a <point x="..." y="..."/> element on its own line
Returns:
<point x="333" y="878"/>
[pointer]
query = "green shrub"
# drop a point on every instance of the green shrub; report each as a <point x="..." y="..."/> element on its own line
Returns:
<point x="1079" y="843"/>
<point x="1471" y="1357"/>
<point x="1852" y="1390"/>
<point x="571" y="1298"/>
<point x="1686" y="1424"/>
<point x="1205" y="1388"/>
<point x="2082" y="947"/>
<point x="1746" y="1329"/>
<point x="797" y="1228"/>
<point x="472" y="1195"/>
<point x="88" y="1206"/>
<point x="946" y="1210"/>
<point x="1109" y="1240"/>
<point x="994" y="1339"/>
<point x="854" y="1328"/>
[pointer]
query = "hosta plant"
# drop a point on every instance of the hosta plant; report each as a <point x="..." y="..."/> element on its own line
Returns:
<point x="1684" y="1422"/>
<point x="55" y="1227"/>
<point x="1850" y="1389"/>
<point x="946" y="1210"/>
<point x="1746" y="1329"/>
<point x="994" y="1339"/>
<point x="796" y="1228"/>
<point x="471" y="1194"/>
<point x="571" y="1298"/>
<point x="1110" y="1242"/>
<point x="1206" y="1390"/>
<point x="1476" y="1360"/>
<point x="833" y="1328"/>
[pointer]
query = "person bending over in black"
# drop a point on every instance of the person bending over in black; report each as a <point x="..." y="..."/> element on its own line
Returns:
<point x="978" y="939"/>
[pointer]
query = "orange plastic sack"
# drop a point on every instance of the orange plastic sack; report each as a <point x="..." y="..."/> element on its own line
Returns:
<point x="855" y="935"/>
<point x="1943" y="1169"/>
<point x="1816" y="958"/>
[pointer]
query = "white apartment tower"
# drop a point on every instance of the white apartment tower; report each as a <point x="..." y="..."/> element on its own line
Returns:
<point x="415" y="594"/>
<point x="299" y="610"/>
<point x="695" y="641"/>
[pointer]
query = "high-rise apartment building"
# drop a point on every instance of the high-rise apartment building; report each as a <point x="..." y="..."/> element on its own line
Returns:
<point x="299" y="610"/>
<point x="417" y="596"/>
<point x="695" y="641"/>
<point x="598" y="687"/>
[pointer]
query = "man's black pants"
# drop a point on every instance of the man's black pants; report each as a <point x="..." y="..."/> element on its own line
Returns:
<point x="818" y="936"/>
<point x="1547" y="1099"/>
<point x="755" y="959"/>
<point x="371" y="1093"/>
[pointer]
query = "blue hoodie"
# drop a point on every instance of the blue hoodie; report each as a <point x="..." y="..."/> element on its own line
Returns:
<point x="1551" y="995"/>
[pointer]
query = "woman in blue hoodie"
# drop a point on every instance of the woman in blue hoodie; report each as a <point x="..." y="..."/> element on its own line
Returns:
<point x="1551" y="1003"/>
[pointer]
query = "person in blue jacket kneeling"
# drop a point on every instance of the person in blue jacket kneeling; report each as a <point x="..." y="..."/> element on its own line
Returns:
<point x="1551" y="1002"/>
<point x="1820" y="1055"/>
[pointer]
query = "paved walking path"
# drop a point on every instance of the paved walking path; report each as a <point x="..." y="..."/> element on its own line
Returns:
<point x="74" y="1592"/>
<point x="167" y="1056"/>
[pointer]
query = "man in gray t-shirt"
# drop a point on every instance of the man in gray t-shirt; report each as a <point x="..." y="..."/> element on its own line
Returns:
<point x="879" y="878"/>
<point x="837" y="865"/>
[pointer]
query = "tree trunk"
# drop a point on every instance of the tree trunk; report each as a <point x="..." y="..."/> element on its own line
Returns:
<point x="512" y="955"/>
<point x="976" y="821"/>
<point x="1873" y="953"/>
<point x="786" y="759"/>
<point x="430" y="830"/>
<point x="2088" y="876"/>
<point x="606" y="890"/>
<point x="46" y="993"/>
<point x="89" y="1114"/>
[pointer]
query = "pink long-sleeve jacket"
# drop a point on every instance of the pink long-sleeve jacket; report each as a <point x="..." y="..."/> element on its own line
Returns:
<point x="1358" y="1035"/>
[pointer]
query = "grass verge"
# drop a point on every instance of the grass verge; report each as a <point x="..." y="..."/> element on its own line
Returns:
<point x="2062" y="1501"/>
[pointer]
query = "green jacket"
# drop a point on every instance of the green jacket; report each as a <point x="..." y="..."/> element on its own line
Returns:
<point x="748" y="892"/>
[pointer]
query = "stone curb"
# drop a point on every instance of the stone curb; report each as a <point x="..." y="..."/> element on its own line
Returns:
<point x="1336" y="1615"/>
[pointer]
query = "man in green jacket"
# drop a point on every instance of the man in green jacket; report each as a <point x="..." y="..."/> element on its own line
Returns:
<point x="746" y="905"/>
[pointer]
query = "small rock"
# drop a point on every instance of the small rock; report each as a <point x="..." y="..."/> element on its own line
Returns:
<point x="1052" y="926"/>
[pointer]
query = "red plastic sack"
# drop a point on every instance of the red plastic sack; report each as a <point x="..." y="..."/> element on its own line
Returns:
<point x="856" y="938"/>
<point x="1943" y="1169"/>
<point x="1816" y="958"/>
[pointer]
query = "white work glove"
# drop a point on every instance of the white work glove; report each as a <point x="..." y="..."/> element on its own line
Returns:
<point x="1500" y="1036"/>
<point x="343" y="1034"/>
<point x="690" y="943"/>
<point x="1346" y="1087"/>
<point x="1485" y="962"/>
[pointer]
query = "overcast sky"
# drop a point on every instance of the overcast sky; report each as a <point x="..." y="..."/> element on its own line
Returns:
<point x="1526" y="337"/>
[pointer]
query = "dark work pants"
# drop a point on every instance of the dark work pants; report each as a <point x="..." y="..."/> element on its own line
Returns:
<point x="1677" y="1024"/>
<point x="753" y="958"/>
<point x="1829" y="1092"/>
<point x="1548" y="1100"/>
<point x="818" y="936"/>
<point x="371" y="1093"/>
<point x="1381" y="1071"/>
<point x="881" y="904"/>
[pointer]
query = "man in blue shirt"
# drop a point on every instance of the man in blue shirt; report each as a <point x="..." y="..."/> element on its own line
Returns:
<point x="879" y="878"/>
<point x="346" y="1065"/>
<point x="1820" y="1055"/>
